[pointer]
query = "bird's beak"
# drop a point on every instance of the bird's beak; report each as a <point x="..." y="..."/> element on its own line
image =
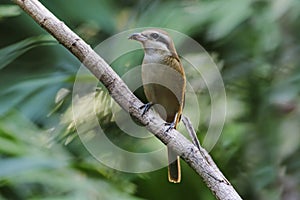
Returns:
<point x="138" y="37"/>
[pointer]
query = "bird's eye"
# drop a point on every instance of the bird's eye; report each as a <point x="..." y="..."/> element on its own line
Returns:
<point x="154" y="35"/>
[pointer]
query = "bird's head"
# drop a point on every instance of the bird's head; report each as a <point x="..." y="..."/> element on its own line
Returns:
<point x="155" y="40"/>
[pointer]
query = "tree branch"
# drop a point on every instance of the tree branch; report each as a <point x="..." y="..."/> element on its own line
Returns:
<point x="203" y="165"/>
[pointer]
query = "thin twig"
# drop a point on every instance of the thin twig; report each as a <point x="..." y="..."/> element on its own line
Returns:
<point x="189" y="127"/>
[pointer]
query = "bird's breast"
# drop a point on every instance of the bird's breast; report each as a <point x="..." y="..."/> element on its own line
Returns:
<point x="163" y="85"/>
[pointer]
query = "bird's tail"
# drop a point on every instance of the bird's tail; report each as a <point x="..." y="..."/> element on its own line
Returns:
<point x="174" y="171"/>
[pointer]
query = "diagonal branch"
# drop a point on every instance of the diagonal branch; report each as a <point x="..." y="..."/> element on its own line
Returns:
<point x="203" y="165"/>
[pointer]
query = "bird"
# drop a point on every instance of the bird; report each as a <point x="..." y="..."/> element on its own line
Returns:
<point x="164" y="84"/>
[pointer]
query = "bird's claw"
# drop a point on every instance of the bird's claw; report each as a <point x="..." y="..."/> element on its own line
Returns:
<point x="146" y="107"/>
<point x="170" y="126"/>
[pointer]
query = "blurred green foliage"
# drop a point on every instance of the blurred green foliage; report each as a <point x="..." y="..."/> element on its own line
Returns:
<point x="257" y="43"/>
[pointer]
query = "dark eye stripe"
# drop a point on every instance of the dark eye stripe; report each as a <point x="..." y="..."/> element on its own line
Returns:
<point x="163" y="40"/>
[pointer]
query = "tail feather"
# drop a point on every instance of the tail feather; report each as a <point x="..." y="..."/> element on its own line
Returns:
<point x="174" y="173"/>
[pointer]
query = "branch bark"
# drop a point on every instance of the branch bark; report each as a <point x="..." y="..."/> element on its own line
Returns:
<point x="201" y="162"/>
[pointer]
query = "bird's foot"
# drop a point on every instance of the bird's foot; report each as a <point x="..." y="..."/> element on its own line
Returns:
<point x="170" y="126"/>
<point x="146" y="107"/>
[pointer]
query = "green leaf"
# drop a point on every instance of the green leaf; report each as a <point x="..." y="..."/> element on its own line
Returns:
<point x="13" y="166"/>
<point x="28" y="94"/>
<point x="10" y="53"/>
<point x="9" y="11"/>
<point x="227" y="17"/>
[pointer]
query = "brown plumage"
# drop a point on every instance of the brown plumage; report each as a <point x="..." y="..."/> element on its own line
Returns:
<point x="164" y="83"/>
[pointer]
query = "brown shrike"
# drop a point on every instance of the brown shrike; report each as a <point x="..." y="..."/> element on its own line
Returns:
<point x="164" y="84"/>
